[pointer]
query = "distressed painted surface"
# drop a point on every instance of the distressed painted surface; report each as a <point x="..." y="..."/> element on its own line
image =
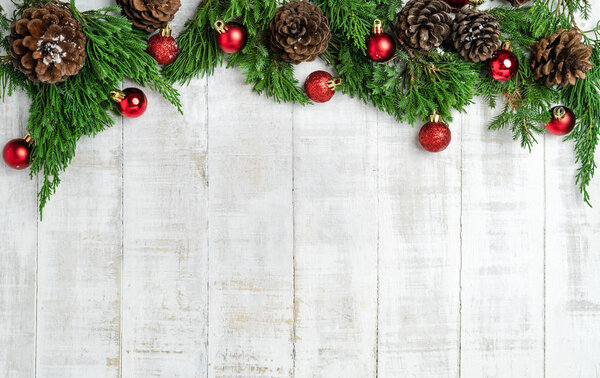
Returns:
<point x="248" y="238"/>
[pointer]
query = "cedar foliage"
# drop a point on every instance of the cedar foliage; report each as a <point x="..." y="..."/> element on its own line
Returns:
<point x="413" y="85"/>
<point x="60" y="114"/>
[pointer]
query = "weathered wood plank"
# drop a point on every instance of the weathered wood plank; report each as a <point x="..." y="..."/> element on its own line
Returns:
<point x="250" y="231"/>
<point x="18" y="251"/>
<point x="503" y="253"/>
<point x="419" y="214"/>
<point x="79" y="280"/>
<point x="572" y="261"/>
<point x="165" y="267"/>
<point x="335" y="218"/>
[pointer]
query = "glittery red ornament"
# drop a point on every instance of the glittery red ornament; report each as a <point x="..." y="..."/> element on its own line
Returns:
<point x="435" y="135"/>
<point x="163" y="47"/>
<point x="320" y="86"/>
<point x="231" y="37"/>
<point x="504" y="65"/>
<point x="562" y="122"/>
<point x="381" y="46"/>
<point x="458" y="4"/>
<point x="17" y="153"/>
<point x="131" y="102"/>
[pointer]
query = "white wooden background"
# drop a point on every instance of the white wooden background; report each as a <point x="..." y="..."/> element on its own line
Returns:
<point x="248" y="238"/>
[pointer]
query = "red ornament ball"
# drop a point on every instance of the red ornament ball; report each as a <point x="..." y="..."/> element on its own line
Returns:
<point x="17" y="153"/>
<point x="457" y="4"/>
<point x="504" y="65"/>
<point x="231" y="37"/>
<point x="163" y="47"/>
<point x="435" y="135"/>
<point x="131" y="102"/>
<point x="320" y="86"/>
<point x="381" y="46"/>
<point x="562" y="122"/>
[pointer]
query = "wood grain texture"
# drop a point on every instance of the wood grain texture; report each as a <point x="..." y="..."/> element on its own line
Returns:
<point x="250" y="231"/>
<point x="419" y="214"/>
<point x="18" y="252"/>
<point x="335" y="234"/>
<point x="165" y="267"/>
<point x="502" y="328"/>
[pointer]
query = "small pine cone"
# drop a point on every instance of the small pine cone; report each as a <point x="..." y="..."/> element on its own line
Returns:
<point x="150" y="15"/>
<point x="424" y="25"/>
<point x="299" y="32"/>
<point x="48" y="44"/>
<point x="561" y="58"/>
<point x="518" y="3"/>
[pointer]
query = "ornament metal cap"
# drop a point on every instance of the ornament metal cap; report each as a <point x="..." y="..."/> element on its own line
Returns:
<point x="435" y="117"/>
<point x="559" y="112"/>
<point x="377" y="26"/>
<point x="221" y="26"/>
<point x="166" y="31"/>
<point x="506" y="45"/>
<point x="27" y="138"/>
<point x="117" y="96"/>
<point x="334" y="83"/>
<point x="476" y="3"/>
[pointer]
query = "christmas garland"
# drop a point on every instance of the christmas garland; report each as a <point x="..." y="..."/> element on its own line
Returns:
<point x="70" y="64"/>
<point x="437" y="56"/>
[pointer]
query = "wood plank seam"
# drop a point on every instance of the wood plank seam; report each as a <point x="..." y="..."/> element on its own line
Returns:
<point x="207" y="178"/>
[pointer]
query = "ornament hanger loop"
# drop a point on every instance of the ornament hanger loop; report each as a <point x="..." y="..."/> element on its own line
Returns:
<point x="559" y="112"/>
<point x="435" y="116"/>
<point x="166" y="31"/>
<point x="506" y="45"/>
<point x="27" y="137"/>
<point x="117" y="96"/>
<point x="220" y="26"/>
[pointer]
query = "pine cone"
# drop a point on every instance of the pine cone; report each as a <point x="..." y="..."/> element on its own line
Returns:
<point x="150" y="15"/>
<point x="476" y="34"/>
<point x="518" y="3"/>
<point x="561" y="58"/>
<point x="424" y="25"/>
<point x="299" y="32"/>
<point x="47" y="44"/>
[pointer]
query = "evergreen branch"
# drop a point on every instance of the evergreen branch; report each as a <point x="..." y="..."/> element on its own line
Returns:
<point x="584" y="99"/>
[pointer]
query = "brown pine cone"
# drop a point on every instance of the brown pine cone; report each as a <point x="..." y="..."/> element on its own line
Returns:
<point x="150" y="15"/>
<point x="299" y="32"/>
<point x="518" y="3"/>
<point x="424" y="24"/>
<point x="47" y="44"/>
<point x="476" y="34"/>
<point x="561" y="58"/>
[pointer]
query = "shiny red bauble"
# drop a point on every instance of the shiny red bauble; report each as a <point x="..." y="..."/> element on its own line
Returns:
<point x="435" y="135"/>
<point x="562" y="122"/>
<point x="504" y="65"/>
<point x="163" y="47"/>
<point x="131" y="102"/>
<point x="381" y="46"/>
<point x="231" y="37"/>
<point x="17" y="153"/>
<point x="320" y="86"/>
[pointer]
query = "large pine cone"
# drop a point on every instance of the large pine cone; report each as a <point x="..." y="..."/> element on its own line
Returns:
<point x="424" y="24"/>
<point x="150" y="15"/>
<point x="47" y="44"/>
<point x="299" y="32"/>
<point x="561" y="58"/>
<point x="476" y="34"/>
